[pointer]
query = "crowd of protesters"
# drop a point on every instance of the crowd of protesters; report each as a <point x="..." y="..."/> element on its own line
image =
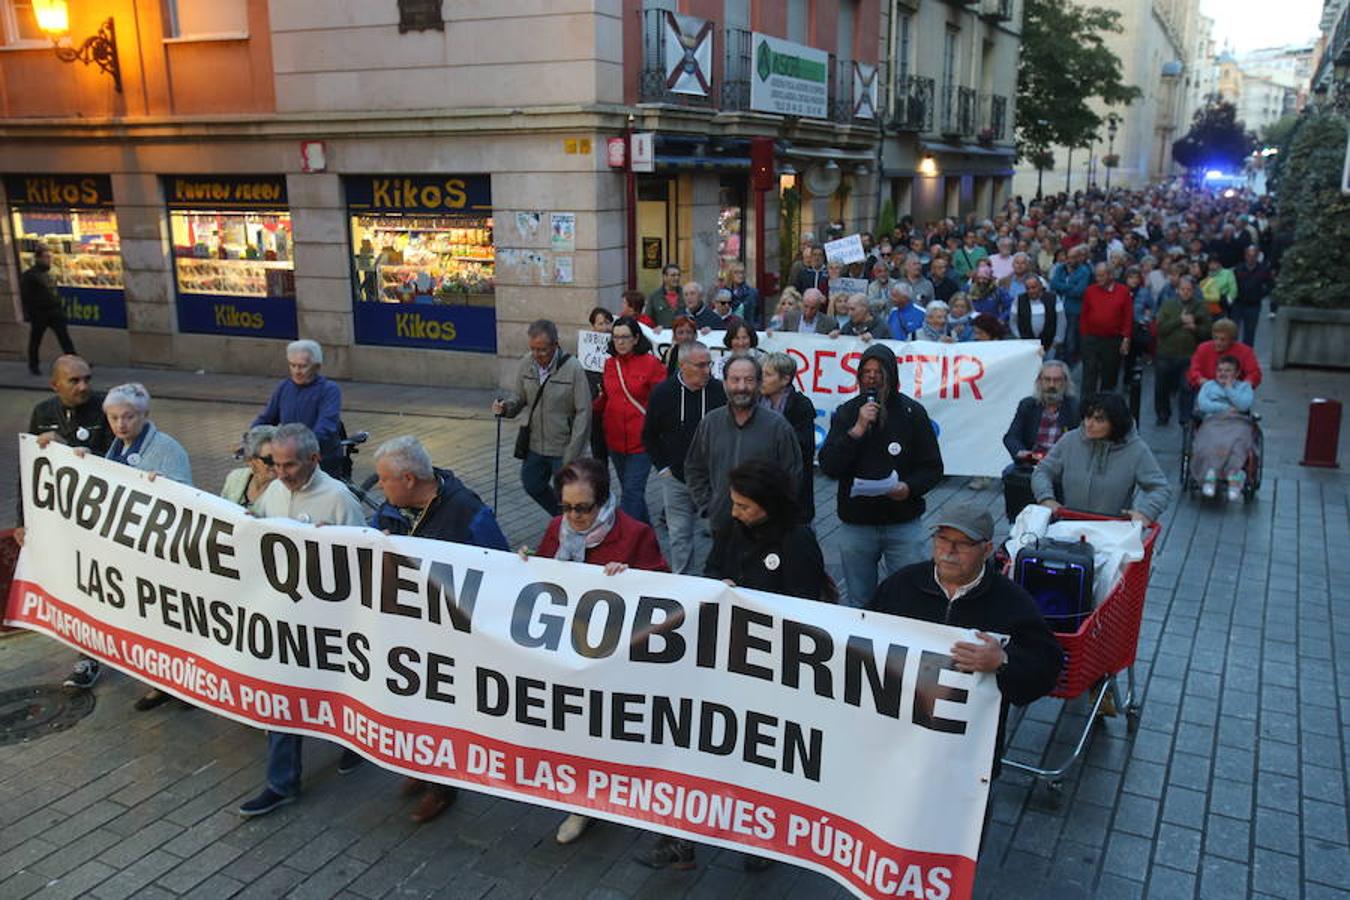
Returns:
<point x="1106" y="283"/>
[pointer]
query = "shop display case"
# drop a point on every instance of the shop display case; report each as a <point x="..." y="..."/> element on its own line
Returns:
<point x="424" y="259"/>
<point x="233" y="254"/>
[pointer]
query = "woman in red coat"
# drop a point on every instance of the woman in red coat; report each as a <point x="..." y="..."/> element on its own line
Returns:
<point x="631" y="372"/>
<point x="592" y="529"/>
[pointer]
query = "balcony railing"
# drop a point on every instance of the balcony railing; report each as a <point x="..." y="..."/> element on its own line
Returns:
<point x="947" y="118"/>
<point x="913" y="103"/>
<point x="658" y="82"/>
<point x="993" y="117"/>
<point x="737" y="68"/>
<point x="966" y="101"/>
<point x="997" y="10"/>
<point x="841" y="90"/>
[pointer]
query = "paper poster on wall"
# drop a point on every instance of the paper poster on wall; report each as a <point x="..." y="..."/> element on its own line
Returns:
<point x="562" y="270"/>
<point x="527" y="223"/>
<point x="651" y="253"/>
<point x="562" y="228"/>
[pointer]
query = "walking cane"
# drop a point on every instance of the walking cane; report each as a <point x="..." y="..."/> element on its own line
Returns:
<point x="497" y="464"/>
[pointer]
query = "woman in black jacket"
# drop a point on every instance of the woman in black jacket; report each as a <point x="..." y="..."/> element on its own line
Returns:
<point x="765" y="547"/>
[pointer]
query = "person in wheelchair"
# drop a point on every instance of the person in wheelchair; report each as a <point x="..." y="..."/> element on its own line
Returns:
<point x="1103" y="466"/>
<point x="312" y="400"/>
<point x="1224" y="439"/>
<point x="1041" y="420"/>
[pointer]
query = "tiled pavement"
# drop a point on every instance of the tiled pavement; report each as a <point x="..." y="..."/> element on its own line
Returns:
<point x="1234" y="785"/>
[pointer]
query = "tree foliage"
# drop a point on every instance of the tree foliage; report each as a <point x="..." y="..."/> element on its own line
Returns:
<point x="1274" y="134"/>
<point x="1315" y="271"/>
<point x="1217" y="139"/>
<point x="1065" y="64"/>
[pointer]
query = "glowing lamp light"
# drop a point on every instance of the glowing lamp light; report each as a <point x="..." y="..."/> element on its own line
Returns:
<point x="928" y="166"/>
<point x="1213" y="174"/>
<point x="1230" y="193"/>
<point x="53" y="17"/>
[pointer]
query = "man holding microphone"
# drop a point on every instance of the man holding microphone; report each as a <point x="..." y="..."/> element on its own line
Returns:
<point x="884" y="453"/>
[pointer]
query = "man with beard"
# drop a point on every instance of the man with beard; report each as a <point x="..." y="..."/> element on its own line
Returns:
<point x="42" y="307"/>
<point x="884" y="453"/>
<point x="726" y="437"/>
<point x="1040" y="421"/>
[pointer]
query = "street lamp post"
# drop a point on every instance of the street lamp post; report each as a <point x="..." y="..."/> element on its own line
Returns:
<point x="1112" y="123"/>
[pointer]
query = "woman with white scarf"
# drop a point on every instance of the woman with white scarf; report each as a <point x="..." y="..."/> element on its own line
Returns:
<point x="592" y="529"/>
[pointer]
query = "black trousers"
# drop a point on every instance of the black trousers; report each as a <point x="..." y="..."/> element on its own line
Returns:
<point x="1169" y="376"/>
<point x="1101" y="364"/>
<point x="38" y="326"/>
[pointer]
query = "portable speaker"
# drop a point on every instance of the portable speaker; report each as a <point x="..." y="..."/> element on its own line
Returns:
<point x="1059" y="576"/>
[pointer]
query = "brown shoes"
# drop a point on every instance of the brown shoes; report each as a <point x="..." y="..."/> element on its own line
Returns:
<point x="436" y="800"/>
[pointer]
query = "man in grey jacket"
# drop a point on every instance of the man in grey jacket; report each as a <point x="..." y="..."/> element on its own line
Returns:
<point x="552" y="387"/>
<point x="726" y="437"/>
<point x="1103" y="466"/>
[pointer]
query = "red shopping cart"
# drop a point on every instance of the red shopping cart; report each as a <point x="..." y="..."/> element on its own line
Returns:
<point x="1102" y="647"/>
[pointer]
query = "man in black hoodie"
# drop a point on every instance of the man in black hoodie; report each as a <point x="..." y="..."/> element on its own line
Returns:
<point x="884" y="453"/>
<point x="960" y="586"/>
<point x="674" y="409"/>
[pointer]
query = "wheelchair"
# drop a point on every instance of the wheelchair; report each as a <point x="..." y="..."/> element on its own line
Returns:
<point x="1255" y="459"/>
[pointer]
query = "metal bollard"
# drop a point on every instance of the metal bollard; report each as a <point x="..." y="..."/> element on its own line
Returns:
<point x="1324" y="434"/>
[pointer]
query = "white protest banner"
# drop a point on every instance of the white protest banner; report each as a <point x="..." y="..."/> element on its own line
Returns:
<point x="848" y="286"/>
<point x="814" y="734"/>
<point x="970" y="390"/>
<point x="592" y="350"/>
<point x="845" y="250"/>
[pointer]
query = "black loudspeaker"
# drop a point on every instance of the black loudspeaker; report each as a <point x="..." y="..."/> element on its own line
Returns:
<point x="1059" y="576"/>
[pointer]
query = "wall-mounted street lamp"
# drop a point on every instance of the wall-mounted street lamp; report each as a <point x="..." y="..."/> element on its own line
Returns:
<point x="53" y="17"/>
<point x="928" y="166"/>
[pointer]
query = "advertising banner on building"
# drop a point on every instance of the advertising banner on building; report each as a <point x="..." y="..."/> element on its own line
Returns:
<point x="789" y="79"/>
<point x="814" y="734"/>
<point x="970" y="390"/>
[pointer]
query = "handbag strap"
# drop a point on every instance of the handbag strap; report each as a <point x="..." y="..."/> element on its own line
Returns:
<point x="618" y="368"/>
<point x="562" y="358"/>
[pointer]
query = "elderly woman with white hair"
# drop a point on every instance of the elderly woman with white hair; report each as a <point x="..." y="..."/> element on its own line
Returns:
<point x="246" y="484"/>
<point x="139" y="444"/>
<point x="310" y="399"/>
<point x="136" y="440"/>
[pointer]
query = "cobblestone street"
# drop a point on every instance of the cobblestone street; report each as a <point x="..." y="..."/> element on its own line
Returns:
<point x="1234" y="785"/>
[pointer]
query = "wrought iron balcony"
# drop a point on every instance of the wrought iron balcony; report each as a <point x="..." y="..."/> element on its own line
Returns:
<point x="737" y="68"/>
<point x="993" y="117"/>
<point x="966" y="104"/>
<point x="997" y="10"/>
<point x="676" y="68"/>
<point x="912" y="104"/>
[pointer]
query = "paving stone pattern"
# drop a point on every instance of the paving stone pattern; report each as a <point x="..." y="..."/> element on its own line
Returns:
<point x="1233" y="786"/>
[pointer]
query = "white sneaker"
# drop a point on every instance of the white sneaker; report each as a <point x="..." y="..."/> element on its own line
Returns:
<point x="1209" y="488"/>
<point x="1234" y="493"/>
<point x="572" y="827"/>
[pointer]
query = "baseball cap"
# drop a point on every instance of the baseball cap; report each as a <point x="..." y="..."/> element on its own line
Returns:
<point x="973" y="522"/>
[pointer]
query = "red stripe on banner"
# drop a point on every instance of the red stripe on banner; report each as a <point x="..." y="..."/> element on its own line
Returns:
<point x="676" y="802"/>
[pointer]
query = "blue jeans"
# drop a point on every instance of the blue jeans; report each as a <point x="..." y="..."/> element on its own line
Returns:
<point x="283" y="763"/>
<point x="861" y="547"/>
<point x="1070" y="348"/>
<point x="1247" y="315"/>
<point x="536" y="476"/>
<point x="690" y="541"/>
<point x="632" y="469"/>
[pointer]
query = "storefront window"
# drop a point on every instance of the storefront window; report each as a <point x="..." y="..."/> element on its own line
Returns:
<point x="730" y="222"/>
<point x="424" y="260"/>
<point x="73" y="217"/>
<point x="233" y="255"/>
